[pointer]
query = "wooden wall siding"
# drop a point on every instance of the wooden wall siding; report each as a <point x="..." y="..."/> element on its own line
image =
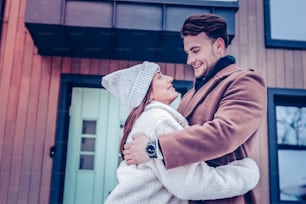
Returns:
<point x="29" y="88"/>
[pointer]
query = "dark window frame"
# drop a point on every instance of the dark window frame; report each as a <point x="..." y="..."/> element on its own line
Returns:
<point x="283" y="97"/>
<point x="276" y="43"/>
<point x="218" y="3"/>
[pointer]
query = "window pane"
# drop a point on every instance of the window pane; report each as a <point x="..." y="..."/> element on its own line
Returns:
<point x="86" y="162"/>
<point x="292" y="174"/>
<point x="88" y="144"/>
<point x="291" y="125"/>
<point x="293" y="19"/>
<point x="89" y="127"/>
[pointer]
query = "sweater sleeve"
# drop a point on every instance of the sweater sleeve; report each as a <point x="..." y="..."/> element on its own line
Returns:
<point x="198" y="181"/>
<point x="201" y="182"/>
<point x="130" y="187"/>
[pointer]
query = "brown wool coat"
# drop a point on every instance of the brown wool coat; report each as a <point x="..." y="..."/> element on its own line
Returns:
<point x="225" y="115"/>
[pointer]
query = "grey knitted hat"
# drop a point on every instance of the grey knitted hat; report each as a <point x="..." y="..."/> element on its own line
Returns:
<point x="131" y="84"/>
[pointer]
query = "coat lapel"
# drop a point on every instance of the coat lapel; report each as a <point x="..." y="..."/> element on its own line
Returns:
<point x="192" y="98"/>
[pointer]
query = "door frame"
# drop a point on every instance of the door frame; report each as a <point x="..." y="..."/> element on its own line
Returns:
<point x="58" y="152"/>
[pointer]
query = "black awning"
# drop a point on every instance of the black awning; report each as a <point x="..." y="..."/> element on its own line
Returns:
<point x="127" y="30"/>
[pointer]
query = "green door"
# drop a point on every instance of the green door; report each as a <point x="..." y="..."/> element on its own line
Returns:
<point x="96" y="121"/>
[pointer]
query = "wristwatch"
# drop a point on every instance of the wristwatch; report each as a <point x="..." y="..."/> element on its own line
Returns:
<point x="151" y="149"/>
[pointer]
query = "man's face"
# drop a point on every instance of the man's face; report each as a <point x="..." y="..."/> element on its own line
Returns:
<point x="202" y="53"/>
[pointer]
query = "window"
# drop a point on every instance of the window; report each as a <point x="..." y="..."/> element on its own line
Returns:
<point x="88" y="143"/>
<point x="285" y="25"/>
<point x="287" y="145"/>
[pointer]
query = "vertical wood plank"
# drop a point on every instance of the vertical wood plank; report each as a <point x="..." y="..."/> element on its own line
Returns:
<point x="279" y="71"/>
<point x="85" y="66"/>
<point x="66" y="65"/>
<point x="30" y="131"/>
<point x="271" y="67"/>
<point x="15" y="151"/>
<point x="163" y="67"/>
<point x="8" y="99"/>
<point x="261" y="149"/>
<point x="170" y="70"/>
<point x="94" y="67"/>
<point x="233" y="48"/>
<point x="123" y="64"/>
<point x="75" y="65"/>
<point x="289" y="76"/>
<point x="104" y="67"/>
<point x="113" y="65"/>
<point x="242" y="35"/>
<point x="50" y="130"/>
<point x="252" y="35"/>
<point x="7" y="64"/>
<point x="188" y="72"/>
<point x="179" y="72"/>
<point x="7" y="144"/>
<point x="39" y="139"/>
<point x="260" y="153"/>
<point x="24" y="99"/>
<point x="297" y="69"/>
<point x="261" y="56"/>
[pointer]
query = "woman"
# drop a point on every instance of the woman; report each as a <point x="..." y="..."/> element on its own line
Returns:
<point x="148" y="94"/>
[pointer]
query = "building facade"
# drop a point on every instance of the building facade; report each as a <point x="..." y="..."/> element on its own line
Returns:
<point x="56" y="119"/>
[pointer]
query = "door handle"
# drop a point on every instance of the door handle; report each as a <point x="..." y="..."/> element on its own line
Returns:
<point x="52" y="152"/>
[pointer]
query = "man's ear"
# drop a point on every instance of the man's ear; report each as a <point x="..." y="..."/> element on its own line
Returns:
<point x="219" y="45"/>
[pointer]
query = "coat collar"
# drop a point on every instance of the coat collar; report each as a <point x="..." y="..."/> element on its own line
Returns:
<point x="192" y="98"/>
<point x="174" y="113"/>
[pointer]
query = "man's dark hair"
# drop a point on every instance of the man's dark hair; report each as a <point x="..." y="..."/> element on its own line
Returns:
<point x="214" y="26"/>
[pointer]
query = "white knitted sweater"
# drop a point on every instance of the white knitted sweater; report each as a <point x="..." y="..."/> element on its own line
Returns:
<point x="151" y="183"/>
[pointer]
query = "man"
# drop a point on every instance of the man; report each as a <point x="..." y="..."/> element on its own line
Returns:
<point x="225" y="108"/>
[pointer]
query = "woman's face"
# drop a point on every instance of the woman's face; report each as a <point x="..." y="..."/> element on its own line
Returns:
<point x="162" y="89"/>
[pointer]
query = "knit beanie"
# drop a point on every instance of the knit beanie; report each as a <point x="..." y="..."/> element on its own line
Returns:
<point x="131" y="84"/>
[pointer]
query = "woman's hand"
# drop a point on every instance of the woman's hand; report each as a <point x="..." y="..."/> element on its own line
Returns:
<point x="135" y="151"/>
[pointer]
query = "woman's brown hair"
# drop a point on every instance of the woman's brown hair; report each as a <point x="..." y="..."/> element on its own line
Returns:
<point x="129" y="123"/>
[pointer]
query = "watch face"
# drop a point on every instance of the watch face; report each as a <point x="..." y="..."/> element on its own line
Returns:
<point x="150" y="149"/>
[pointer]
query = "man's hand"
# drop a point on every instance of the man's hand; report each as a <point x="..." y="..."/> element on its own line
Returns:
<point x="135" y="151"/>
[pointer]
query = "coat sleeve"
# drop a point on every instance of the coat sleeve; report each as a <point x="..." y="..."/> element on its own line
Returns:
<point x="241" y="110"/>
<point x="130" y="187"/>
<point x="199" y="181"/>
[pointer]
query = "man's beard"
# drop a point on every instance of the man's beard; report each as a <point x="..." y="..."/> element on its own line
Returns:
<point x="208" y="70"/>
